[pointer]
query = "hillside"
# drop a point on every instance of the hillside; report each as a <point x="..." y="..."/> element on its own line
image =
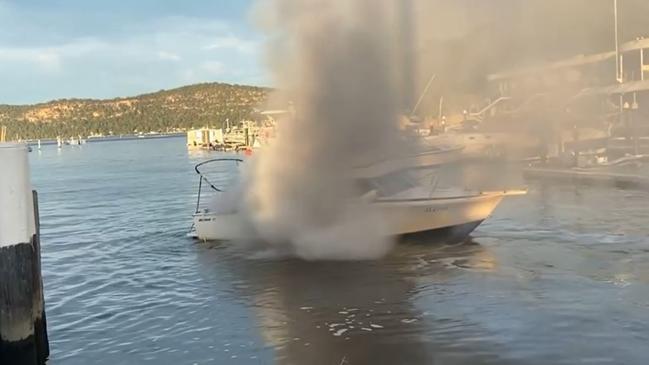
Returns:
<point x="165" y="110"/>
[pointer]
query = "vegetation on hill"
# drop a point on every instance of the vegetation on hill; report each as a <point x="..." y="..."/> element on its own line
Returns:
<point x="163" y="111"/>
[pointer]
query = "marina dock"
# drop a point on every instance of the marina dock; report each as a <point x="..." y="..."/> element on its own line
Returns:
<point x="588" y="176"/>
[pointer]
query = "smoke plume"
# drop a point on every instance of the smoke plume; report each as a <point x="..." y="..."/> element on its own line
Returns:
<point x="333" y="59"/>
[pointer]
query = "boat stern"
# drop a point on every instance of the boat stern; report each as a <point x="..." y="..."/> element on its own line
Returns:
<point x="220" y="227"/>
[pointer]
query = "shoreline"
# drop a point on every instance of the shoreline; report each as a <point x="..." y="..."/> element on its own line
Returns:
<point x="125" y="137"/>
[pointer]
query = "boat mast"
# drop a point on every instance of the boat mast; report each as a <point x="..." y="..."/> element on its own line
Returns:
<point x="407" y="49"/>
<point x="618" y="57"/>
<point x="423" y="94"/>
<point x="619" y="74"/>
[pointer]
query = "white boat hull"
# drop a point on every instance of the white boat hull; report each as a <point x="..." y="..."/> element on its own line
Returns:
<point x="458" y="215"/>
<point x="421" y="215"/>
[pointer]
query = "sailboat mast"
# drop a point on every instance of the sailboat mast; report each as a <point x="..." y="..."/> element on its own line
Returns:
<point x="618" y="64"/>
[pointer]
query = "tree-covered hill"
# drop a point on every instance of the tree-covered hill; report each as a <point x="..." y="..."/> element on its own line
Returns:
<point x="166" y="110"/>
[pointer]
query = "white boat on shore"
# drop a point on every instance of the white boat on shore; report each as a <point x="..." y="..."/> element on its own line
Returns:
<point x="407" y="206"/>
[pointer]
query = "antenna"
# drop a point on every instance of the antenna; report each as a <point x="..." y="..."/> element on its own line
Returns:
<point x="618" y="65"/>
<point x="421" y="98"/>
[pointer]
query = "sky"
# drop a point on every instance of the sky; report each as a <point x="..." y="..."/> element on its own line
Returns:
<point x="53" y="49"/>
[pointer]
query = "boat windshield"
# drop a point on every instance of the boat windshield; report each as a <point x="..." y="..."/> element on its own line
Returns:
<point x="218" y="176"/>
<point x="393" y="184"/>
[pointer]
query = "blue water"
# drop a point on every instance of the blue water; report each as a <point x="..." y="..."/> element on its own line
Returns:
<point x="560" y="276"/>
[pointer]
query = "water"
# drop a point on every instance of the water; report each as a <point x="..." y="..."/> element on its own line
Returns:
<point x="559" y="276"/>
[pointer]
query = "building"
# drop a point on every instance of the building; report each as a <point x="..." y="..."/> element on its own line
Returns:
<point x="204" y="138"/>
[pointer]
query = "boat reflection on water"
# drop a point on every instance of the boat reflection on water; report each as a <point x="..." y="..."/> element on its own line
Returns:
<point x="356" y="312"/>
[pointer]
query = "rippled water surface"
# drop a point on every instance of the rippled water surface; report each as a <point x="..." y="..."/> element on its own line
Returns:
<point x="560" y="276"/>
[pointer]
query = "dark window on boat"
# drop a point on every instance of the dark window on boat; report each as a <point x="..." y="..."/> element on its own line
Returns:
<point x="395" y="183"/>
<point x="364" y="186"/>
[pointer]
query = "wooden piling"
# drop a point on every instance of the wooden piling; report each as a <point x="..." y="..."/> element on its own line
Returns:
<point x="40" y="320"/>
<point x="23" y="333"/>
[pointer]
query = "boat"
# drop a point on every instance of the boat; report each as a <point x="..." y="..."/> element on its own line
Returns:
<point x="480" y="144"/>
<point x="72" y="142"/>
<point x="243" y="136"/>
<point x="426" y="156"/>
<point x="408" y="206"/>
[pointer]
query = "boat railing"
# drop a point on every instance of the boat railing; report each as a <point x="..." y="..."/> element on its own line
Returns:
<point x="205" y="181"/>
<point x="479" y="116"/>
<point x="423" y="179"/>
<point x="430" y="179"/>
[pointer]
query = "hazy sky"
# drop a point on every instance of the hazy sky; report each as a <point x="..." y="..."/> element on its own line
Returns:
<point x="53" y="49"/>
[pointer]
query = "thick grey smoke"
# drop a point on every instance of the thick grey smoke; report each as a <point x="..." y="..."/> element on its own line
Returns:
<point x="333" y="59"/>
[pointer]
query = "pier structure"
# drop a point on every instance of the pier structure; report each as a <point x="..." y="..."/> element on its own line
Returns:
<point x="23" y="329"/>
<point x="606" y="92"/>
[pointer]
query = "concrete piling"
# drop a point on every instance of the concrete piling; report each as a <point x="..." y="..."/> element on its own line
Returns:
<point x="23" y="329"/>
